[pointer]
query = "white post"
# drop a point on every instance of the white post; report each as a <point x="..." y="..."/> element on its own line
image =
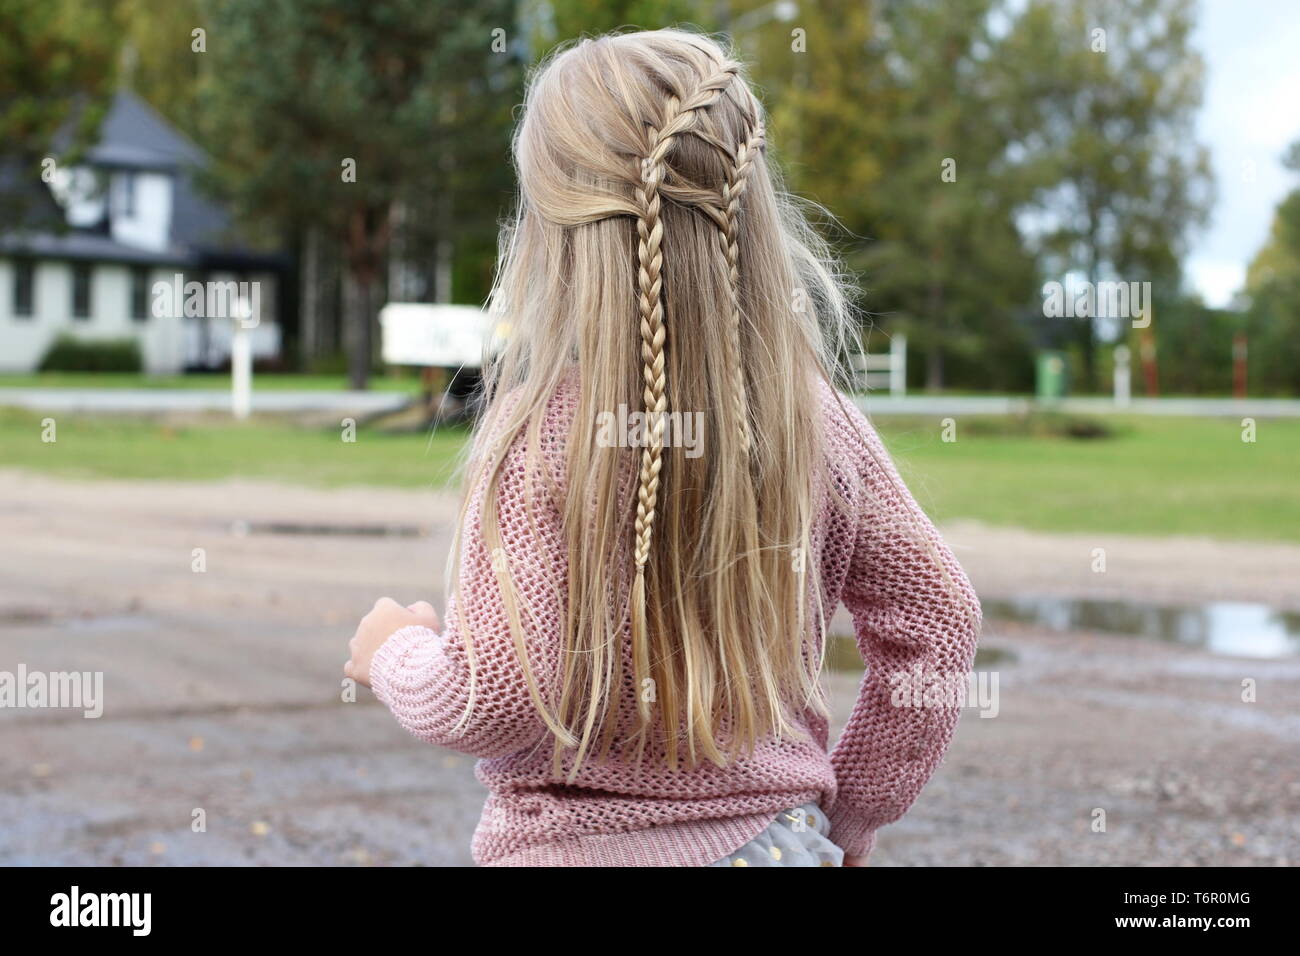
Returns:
<point x="898" y="365"/>
<point x="1123" y="375"/>
<point x="241" y="371"/>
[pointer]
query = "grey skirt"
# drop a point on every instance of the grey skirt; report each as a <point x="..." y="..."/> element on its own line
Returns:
<point x="797" y="837"/>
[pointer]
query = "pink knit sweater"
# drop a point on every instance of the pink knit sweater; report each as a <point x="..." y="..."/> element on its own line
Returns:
<point x="906" y="614"/>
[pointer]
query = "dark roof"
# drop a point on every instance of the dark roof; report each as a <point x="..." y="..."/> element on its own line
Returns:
<point x="134" y="136"/>
<point x="85" y="244"/>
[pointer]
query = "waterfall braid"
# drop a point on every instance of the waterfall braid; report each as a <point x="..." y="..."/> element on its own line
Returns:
<point x="737" y="174"/>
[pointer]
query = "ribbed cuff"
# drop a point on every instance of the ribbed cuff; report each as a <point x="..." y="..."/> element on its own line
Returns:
<point x="850" y="832"/>
<point x="391" y="657"/>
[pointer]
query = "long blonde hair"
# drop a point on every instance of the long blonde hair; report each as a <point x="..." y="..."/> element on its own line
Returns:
<point x="654" y="249"/>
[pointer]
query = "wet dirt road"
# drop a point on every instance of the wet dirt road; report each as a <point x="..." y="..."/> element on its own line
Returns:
<point x="222" y="694"/>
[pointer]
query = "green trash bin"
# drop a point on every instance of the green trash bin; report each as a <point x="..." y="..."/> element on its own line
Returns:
<point x="1052" y="377"/>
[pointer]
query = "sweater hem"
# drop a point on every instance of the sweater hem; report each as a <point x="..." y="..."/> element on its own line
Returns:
<point x="685" y="843"/>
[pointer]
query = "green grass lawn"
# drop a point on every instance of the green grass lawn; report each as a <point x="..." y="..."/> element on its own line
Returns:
<point x="1153" y="475"/>
<point x="403" y="381"/>
<point x="271" y="449"/>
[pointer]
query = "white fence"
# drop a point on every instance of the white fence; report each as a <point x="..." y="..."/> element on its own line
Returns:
<point x="882" y="370"/>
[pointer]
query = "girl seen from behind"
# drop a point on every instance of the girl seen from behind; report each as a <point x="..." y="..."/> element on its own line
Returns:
<point x="635" y="629"/>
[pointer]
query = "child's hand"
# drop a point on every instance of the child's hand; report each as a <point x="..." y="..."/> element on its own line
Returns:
<point x="854" y="861"/>
<point x="386" y="617"/>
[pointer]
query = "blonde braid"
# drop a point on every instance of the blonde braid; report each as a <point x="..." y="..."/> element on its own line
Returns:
<point x="737" y="177"/>
<point x="679" y="116"/>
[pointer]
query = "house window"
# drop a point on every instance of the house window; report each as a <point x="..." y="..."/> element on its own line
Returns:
<point x="80" y="290"/>
<point x="24" y="287"/>
<point x="140" y="293"/>
<point x="128" y="194"/>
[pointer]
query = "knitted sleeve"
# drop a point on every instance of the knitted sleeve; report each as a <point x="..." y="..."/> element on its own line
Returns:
<point x="916" y="628"/>
<point x="424" y="677"/>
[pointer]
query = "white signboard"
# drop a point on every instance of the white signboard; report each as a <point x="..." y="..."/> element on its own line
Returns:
<point x="439" y="336"/>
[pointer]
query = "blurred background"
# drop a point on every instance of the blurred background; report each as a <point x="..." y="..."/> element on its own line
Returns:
<point x="244" y="246"/>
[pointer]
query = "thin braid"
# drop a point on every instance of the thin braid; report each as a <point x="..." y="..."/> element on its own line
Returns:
<point x="737" y="178"/>
<point x="679" y="115"/>
<point x="650" y="262"/>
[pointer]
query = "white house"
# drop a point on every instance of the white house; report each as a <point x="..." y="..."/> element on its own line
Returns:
<point x="110" y="248"/>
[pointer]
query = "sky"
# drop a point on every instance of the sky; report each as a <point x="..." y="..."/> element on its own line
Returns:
<point x="1251" y="113"/>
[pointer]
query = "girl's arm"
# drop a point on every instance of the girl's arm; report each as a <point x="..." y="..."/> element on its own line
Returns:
<point x="424" y="677"/>
<point x="916" y="628"/>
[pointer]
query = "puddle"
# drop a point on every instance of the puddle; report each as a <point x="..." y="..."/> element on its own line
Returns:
<point x="110" y="623"/>
<point x="1222" y="627"/>
<point x="24" y="615"/>
<point x="242" y="528"/>
<point x="842" y="655"/>
<point x="74" y="621"/>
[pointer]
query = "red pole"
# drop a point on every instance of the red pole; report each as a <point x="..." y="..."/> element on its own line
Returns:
<point x="1147" y="351"/>
<point x="1239" y="365"/>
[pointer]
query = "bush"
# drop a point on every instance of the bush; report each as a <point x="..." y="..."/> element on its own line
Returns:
<point x="70" y="354"/>
<point x="1040" y="424"/>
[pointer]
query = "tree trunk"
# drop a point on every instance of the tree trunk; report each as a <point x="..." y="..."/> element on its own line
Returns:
<point x="309" y="328"/>
<point x="367" y="245"/>
<point x="1087" y="340"/>
<point x="330" y="330"/>
<point x="934" y="355"/>
<point x="934" y="369"/>
<point x="358" y="316"/>
<point x="1088" y="325"/>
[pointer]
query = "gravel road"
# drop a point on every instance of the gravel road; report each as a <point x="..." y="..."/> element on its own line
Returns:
<point x="222" y="694"/>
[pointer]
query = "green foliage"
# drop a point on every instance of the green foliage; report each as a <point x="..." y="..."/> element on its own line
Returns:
<point x="1103" y="97"/>
<point x="1195" y="347"/>
<point x="1058" y="159"/>
<point x="948" y="260"/>
<point x="351" y="116"/>
<point x="1066" y="158"/>
<point x="1273" y="285"/>
<point x="546" y="24"/>
<point x="411" y="91"/>
<point x="71" y="354"/>
<point x="57" y="63"/>
<point x="159" y="61"/>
